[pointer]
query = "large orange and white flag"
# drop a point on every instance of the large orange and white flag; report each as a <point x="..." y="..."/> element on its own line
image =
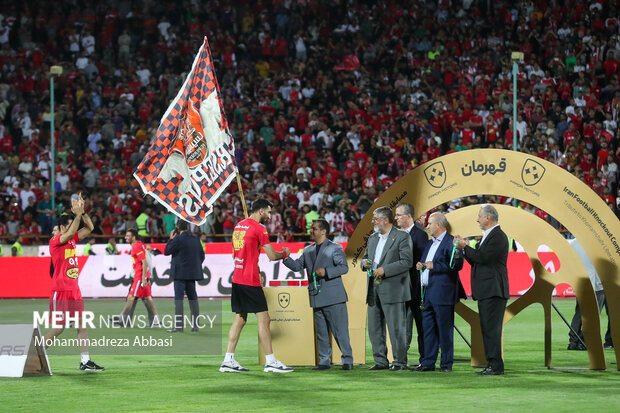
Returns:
<point x="191" y="159"/>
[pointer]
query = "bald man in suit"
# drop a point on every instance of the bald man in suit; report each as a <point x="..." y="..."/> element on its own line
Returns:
<point x="489" y="284"/>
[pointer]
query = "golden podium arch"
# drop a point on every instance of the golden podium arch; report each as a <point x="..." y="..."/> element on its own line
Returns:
<point x="511" y="174"/>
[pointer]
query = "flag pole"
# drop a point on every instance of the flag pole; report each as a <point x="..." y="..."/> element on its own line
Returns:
<point x="245" y="208"/>
<point x="217" y="86"/>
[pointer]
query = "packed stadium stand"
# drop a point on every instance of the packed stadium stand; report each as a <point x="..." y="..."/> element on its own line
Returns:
<point x="329" y="102"/>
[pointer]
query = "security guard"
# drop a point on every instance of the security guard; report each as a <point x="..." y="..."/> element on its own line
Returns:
<point x="17" y="250"/>
<point x="141" y="222"/>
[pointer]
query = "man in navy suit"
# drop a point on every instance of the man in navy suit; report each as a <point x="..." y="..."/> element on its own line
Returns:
<point x="439" y="266"/>
<point x="185" y="269"/>
<point x="489" y="284"/>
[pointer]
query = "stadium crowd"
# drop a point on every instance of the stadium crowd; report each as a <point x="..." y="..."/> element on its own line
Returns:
<point x="329" y="102"/>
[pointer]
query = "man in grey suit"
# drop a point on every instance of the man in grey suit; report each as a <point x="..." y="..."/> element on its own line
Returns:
<point x="387" y="259"/>
<point x="325" y="262"/>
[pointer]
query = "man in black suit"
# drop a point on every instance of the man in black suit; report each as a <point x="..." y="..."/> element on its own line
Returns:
<point x="185" y="268"/>
<point x="489" y="284"/>
<point x="405" y="216"/>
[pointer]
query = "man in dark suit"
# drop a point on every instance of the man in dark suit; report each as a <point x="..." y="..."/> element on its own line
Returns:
<point x="405" y="216"/>
<point x="185" y="268"/>
<point x="489" y="284"/>
<point x="439" y="267"/>
<point x="325" y="263"/>
<point x="388" y="256"/>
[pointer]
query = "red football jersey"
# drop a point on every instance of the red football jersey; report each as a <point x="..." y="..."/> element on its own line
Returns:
<point x="138" y="253"/>
<point x="65" y="260"/>
<point x="248" y="237"/>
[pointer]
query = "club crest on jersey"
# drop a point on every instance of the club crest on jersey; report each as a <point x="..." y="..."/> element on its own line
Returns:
<point x="73" y="273"/>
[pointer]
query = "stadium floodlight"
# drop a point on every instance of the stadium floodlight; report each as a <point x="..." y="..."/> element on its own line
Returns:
<point x="54" y="71"/>
<point x="516" y="57"/>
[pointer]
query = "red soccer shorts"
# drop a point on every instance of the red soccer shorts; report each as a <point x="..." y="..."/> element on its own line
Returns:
<point x="137" y="290"/>
<point x="66" y="301"/>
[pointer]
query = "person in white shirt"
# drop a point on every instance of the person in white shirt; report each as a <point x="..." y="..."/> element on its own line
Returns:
<point x="304" y="170"/>
<point x="317" y="198"/>
<point x="144" y="74"/>
<point x="88" y="43"/>
<point x="25" y="194"/>
<point x="62" y="178"/>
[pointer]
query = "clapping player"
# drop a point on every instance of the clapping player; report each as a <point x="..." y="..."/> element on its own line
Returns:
<point x="65" y="295"/>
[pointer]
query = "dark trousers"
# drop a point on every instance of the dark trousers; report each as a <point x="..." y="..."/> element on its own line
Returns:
<point x="491" y="312"/>
<point x="608" y="340"/>
<point x="438" y="333"/>
<point x="181" y="288"/>
<point x="576" y="321"/>
<point x="414" y="315"/>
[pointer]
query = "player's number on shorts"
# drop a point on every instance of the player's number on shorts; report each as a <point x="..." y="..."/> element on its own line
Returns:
<point x="73" y="261"/>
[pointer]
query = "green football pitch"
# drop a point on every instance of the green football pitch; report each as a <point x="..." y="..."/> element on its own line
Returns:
<point x="193" y="383"/>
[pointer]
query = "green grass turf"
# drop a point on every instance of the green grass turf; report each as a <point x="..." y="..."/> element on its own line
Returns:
<point x="193" y="383"/>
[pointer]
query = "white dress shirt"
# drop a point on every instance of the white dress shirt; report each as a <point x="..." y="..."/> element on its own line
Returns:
<point x="430" y="256"/>
<point x="379" y="250"/>
<point x="486" y="233"/>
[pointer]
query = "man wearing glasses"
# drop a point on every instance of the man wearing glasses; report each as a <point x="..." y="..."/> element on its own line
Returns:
<point x="387" y="261"/>
<point x="405" y="219"/>
<point x="325" y="263"/>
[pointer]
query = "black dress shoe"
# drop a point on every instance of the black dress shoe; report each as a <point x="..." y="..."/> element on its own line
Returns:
<point x="446" y="369"/>
<point x="397" y="368"/>
<point x="322" y="367"/>
<point x="175" y="330"/>
<point x="490" y="372"/>
<point x="424" y="368"/>
<point x="378" y="367"/>
<point x="576" y="346"/>
<point x="347" y="366"/>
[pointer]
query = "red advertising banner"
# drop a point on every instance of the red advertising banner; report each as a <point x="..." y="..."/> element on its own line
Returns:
<point x="110" y="275"/>
<point x="25" y="277"/>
